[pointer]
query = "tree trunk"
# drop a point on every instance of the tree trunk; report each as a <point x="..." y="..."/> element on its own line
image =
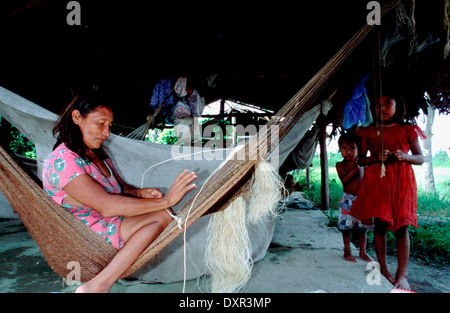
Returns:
<point x="428" y="181"/>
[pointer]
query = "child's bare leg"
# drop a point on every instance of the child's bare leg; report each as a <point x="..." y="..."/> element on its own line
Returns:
<point x="362" y="245"/>
<point x="380" y="248"/>
<point x="403" y="246"/>
<point x="347" y="250"/>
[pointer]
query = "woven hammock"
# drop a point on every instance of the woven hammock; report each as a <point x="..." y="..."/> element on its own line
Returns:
<point x="74" y="241"/>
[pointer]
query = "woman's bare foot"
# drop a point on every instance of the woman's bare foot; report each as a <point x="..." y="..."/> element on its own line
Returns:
<point x="90" y="287"/>
<point x="349" y="257"/>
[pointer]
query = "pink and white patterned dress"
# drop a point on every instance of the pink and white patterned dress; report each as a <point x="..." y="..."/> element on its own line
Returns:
<point x="63" y="165"/>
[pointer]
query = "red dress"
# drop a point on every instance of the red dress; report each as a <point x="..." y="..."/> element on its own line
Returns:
<point x="392" y="198"/>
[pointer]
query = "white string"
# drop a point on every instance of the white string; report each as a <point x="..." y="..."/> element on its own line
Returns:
<point x="177" y="218"/>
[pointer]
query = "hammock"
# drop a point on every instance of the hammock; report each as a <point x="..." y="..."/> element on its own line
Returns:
<point x="63" y="238"/>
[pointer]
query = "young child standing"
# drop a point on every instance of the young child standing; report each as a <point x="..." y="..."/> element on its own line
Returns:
<point x="388" y="191"/>
<point x="350" y="175"/>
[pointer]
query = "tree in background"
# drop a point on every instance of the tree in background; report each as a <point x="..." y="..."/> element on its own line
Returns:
<point x="428" y="181"/>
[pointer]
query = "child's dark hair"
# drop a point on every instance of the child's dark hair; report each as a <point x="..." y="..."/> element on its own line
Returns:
<point x="66" y="131"/>
<point x="348" y="138"/>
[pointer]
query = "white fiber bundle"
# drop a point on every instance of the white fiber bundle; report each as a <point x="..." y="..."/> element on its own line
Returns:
<point x="228" y="252"/>
<point x="265" y="192"/>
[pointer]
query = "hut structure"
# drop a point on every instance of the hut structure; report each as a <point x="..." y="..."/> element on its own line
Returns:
<point x="303" y="63"/>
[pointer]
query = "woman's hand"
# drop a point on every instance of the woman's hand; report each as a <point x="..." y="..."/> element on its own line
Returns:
<point x="180" y="187"/>
<point x="149" y="193"/>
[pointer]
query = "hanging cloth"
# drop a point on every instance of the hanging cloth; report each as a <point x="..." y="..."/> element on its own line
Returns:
<point x="355" y="108"/>
<point x="180" y="87"/>
<point x="160" y="92"/>
<point x="196" y="103"/>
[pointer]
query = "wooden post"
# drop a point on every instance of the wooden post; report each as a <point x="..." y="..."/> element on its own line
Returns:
<point x="222" y="121"/>
<point x="324" y="185"/>
<point x="308" y="177"/>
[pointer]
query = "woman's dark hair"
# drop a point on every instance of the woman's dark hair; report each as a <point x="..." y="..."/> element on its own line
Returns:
<point x="69" y="133"/>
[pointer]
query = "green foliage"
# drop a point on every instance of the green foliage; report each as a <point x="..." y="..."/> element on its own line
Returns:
<point x="431" y="241"/>
<point x="21" y="145"/>
<point x="433" y="204"/>
<point x="441" y="159"/>
<point x="165" y="137"/>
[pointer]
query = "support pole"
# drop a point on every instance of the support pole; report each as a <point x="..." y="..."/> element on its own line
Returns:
<point x="324" y="185"/>
<point x="308" y="177"/>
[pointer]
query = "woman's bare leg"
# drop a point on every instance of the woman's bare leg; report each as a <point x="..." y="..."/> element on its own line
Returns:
<point x="135" y="244"/>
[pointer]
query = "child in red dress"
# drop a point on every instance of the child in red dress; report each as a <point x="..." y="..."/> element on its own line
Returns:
<point x="388" y="191"/>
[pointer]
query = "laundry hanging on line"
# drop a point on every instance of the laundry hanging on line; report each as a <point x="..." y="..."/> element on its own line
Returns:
<point x="162" y="91"/>
<point x="357" y="109"/>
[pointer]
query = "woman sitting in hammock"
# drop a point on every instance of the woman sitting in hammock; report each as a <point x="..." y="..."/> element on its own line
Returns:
<point x="79" y="176"/>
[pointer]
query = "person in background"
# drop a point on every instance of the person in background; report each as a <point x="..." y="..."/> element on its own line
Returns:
<point x="350" y="175"/>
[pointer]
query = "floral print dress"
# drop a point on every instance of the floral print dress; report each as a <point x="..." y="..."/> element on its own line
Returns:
<point x="63" y="165"/>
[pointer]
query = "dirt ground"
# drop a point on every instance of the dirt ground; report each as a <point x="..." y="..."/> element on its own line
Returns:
<point x="302" y="242"/>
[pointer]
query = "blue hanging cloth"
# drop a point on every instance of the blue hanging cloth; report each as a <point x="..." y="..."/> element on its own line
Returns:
<point x="357" y="109"/>
<point x="160" y="92"/>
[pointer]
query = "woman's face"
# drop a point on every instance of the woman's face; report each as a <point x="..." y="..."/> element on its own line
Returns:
<point x="95" y="127"/>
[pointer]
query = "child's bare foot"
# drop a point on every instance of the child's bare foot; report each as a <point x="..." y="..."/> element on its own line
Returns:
<point x="349" y="257"/>
<point x="365" y="257"/>
<point x="388" y="276"/>
<point x="402" y="282"/>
